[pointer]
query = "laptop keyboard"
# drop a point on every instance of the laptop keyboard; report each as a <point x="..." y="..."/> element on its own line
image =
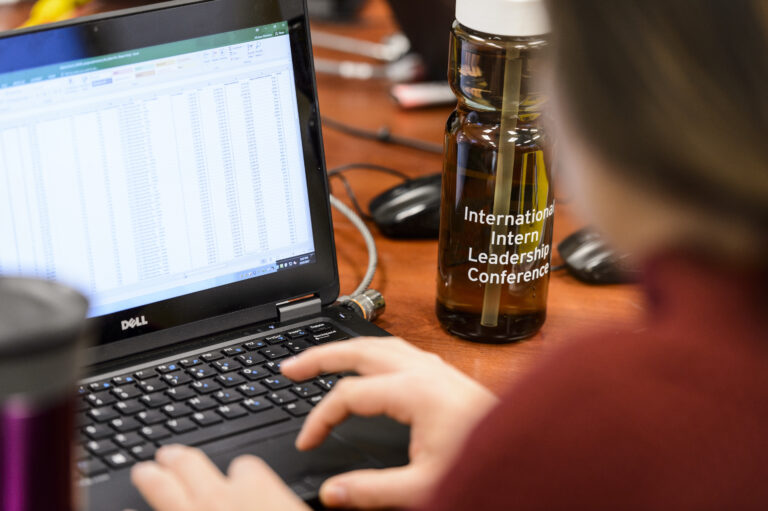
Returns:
<point x="197" y="399"/>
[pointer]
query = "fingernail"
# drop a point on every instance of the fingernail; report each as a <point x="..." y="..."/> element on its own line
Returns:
<point x="333" y="494"/>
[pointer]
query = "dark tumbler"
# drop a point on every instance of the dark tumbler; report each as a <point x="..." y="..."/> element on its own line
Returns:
<point x="41" y="335"/>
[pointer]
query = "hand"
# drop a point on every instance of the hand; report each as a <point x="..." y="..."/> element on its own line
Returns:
<point x="184" y="479"/>
<point x="412" y="386"/>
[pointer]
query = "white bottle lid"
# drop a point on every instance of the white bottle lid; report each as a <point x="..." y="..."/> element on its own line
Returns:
<point x="516" y="18"/>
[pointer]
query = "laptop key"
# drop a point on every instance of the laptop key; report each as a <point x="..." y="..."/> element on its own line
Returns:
<point x="180" y="425"/>
<point x="181" y="393"/>
<point x="175" y="410"/>
<point x="297" y="333"/>
<point x="232" y="411"/>
<point x="101" y="447"/>
<point x="100" y="399"/>
<point x="329" y="336"/>
<point x="255" y="373"/>
<point x="150" y="417"/>
<point x="123" y="380"/>
<point x="251" y="389"/>
<point x="150" y="385"/>
<point x="298" y="408"/>
<point x="326" y="382"/>
<point x="98" y="386"/>
<point x="254" y="345"/>
<point x="273" y="366"/>
<point x="232" y="351"/>
<point x="297" y="346"/>
<point x="144" y="374"/>
<point x="127" y="440"/>
<point x="211" y="356"/>
<point x="282" y="397"/>
<point x="190" y="362"/>
<point x="177" y="378"/>
<point x="155" y="399"/>
<point x="129" y="407"/>
<point x="103" y="414"/>
<point x="98" y="431"/>
<point x="308" y="390"/>
<point x="118" y="460"/>
<point x="167" y="368"/>
<point x="276" y="382"/>
<point x="155" y="433"/>
<point x="205" y="386"/>
<point x="202" y="403"/>
<point x="315" y="399"/>
<point x="202" y="418"/>
<point x="226" y="365"/>
<point x="276" y="339"/>
<point x="229" y="380"/>
<point x="257" y="405"/>
<point x="123" y="424"/>
<point x="250" y="359"/>
<point x="201" y="372"/>
<point x="226" y="396"/>
<point x="274" y="352"/>
<point x="143" y="452"/>
<point x="228" y="428"/>
<point x="319" y="327"/>
<point x="91" y="467"/>
<point x="126" y="392"/>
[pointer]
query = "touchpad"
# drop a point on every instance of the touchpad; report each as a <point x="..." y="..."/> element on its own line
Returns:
<point x="332" y="457"/>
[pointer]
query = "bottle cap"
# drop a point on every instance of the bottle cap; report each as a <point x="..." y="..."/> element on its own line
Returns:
<point x="42" y="326"/>
<point x="516" y="18"/>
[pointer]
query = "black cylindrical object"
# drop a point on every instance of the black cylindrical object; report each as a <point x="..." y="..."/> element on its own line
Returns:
<point x="41" y="335"/>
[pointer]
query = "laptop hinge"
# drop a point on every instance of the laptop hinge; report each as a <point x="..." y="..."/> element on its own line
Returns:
<point x="299" y="308"/>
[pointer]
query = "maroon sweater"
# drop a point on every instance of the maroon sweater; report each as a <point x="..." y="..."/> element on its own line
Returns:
<point x="674" y="416"/>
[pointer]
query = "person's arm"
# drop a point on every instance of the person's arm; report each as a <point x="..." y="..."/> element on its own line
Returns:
<point x="441" y="404"/>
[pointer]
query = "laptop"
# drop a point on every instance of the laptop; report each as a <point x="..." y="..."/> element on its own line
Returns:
<point x="167" y="161"/>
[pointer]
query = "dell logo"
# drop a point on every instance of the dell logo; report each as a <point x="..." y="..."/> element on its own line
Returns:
<point x="133" y="322"/>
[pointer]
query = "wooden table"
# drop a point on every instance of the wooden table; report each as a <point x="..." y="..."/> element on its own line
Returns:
<point x="407" y="269"/>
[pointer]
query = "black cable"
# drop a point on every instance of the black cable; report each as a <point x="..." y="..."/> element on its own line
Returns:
<point x="339" y="173"/>
<point x="353" y="198"/>
<point x="383" y="135"/>
<point x="367" y="166"/>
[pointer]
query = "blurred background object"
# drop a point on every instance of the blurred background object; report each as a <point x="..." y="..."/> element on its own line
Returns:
<point x="427" y="25"/>
<point x="416" y="53"/>
<point x="589" y="257"/>
<point x="334" y="10"/>
<point x="41" y="338"/>
<point x="51" y="11"/>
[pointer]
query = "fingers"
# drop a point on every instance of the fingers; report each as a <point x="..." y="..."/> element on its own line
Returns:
<point x="253" y="471"/>
<point x="400" y="487"/>
<point x="364" y="356"/>
<point x="373" y="395"/>
<point x="160" y="488"/>
<point x="194" y="470"/>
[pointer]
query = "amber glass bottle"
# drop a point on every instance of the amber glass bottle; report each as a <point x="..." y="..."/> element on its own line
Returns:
<point x="497" y="201"/>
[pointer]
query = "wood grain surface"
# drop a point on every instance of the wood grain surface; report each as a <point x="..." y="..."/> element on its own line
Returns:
<point x="407" y="269"/>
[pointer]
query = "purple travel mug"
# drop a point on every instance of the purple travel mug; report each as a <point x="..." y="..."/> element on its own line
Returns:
<point x="41" y="336"/>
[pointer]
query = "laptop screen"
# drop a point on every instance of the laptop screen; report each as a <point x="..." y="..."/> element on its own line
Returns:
<point x="153" y="173"/>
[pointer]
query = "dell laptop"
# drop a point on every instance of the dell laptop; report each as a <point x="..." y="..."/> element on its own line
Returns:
<point x="167" y="161"/>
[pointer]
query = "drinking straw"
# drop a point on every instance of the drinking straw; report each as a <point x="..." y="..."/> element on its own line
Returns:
<point x="505" y="168"/>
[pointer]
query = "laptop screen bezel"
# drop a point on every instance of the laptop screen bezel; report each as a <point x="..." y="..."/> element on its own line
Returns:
<point x="158" y="24"/>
